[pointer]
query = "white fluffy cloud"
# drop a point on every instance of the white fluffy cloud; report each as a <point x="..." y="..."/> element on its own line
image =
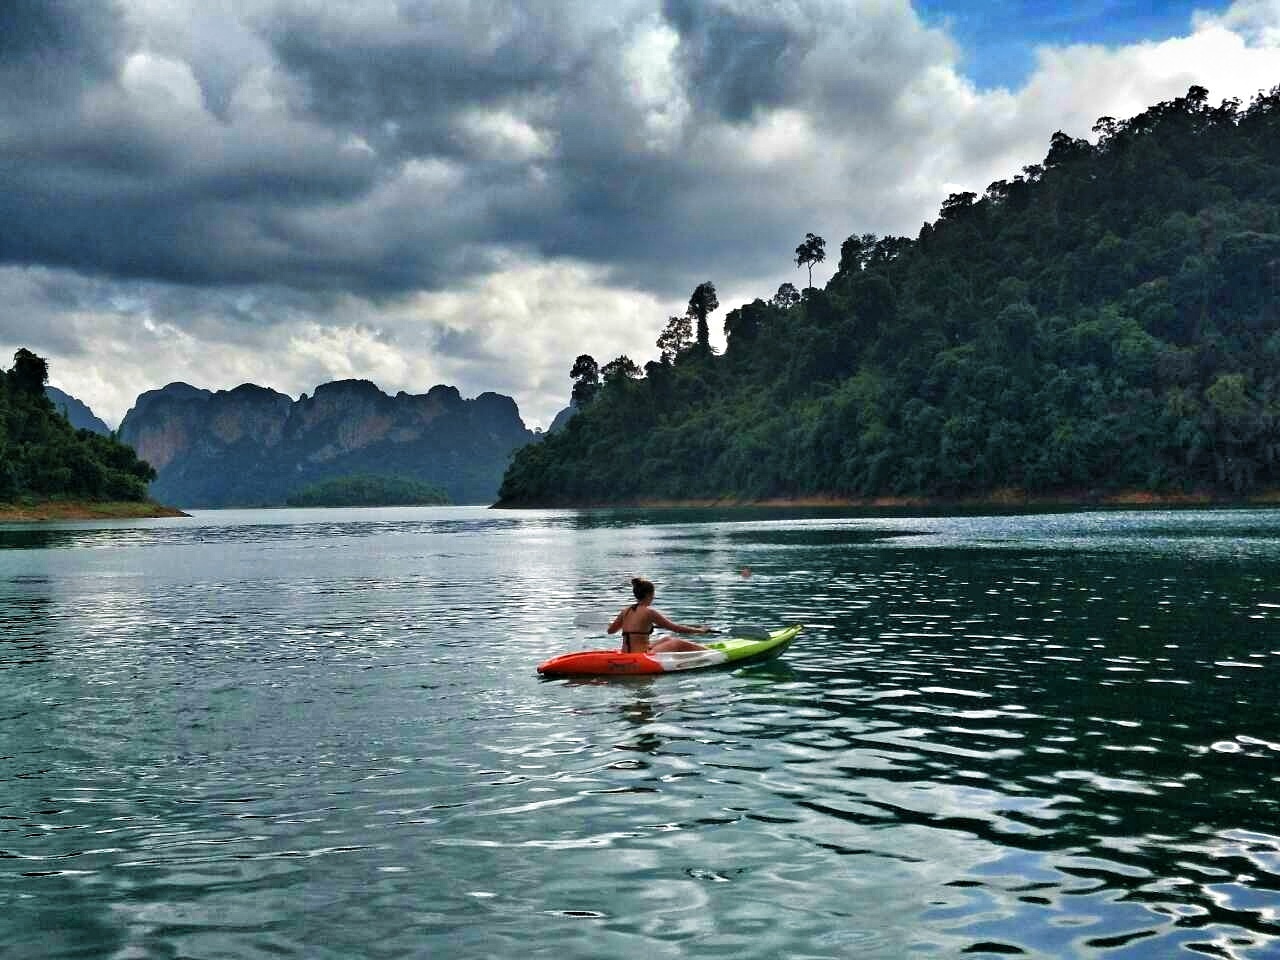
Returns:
<point x="288" y="192"/>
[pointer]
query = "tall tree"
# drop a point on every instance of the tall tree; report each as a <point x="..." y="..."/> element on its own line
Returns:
<point x="619" y="368"/>
<point x="703" y="302"/>
<point x="586" y="379"/>
<point x="786" y="297"/>
<point x="30" y="373"/>
<point x="676" y="338"/>
<point x="812" y="250"/>
<point x="855" y="252"/>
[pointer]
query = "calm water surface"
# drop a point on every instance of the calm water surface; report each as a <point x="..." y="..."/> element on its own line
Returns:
<point x="320" y="734"/>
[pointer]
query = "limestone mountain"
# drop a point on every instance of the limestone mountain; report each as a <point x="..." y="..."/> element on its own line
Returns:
<point x="252" y="446"/>
<point x="76" y="411"/>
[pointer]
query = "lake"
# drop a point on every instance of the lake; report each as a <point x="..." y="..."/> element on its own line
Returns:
<point x="320" y="734"/>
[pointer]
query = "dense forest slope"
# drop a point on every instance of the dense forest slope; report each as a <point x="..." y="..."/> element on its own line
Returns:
<point x="252" y="446"/>
<point x="368" y="490"/>
<point x="1108" y="319"/>
<point x="43" y="457"/>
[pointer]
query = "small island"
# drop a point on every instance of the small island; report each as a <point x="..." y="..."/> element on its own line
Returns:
<point x="49" y="470"/>
<point x="368" y="490"/>
<point x="38" y="511"/>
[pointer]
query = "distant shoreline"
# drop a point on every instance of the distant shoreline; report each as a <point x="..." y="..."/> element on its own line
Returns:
<point x="1002" y="500"/>
<point x="43" y="510"/>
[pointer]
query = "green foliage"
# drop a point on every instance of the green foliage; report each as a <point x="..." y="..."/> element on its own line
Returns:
<point x="367" y="490"/>
<point x="786" y="297"/>
<point x="1107" y="319"/>
<point x="42" y="456"/>
<point x="676" y="337"/>
<point x="618" y="370"/>
<point x="702" y="302"/>
<point x="29" y="373"/>
<point x="586" y="379"/>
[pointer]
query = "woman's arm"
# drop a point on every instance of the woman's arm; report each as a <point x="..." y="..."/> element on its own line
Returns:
<point x="617" y="621"/>
<point x="657" y="617"/>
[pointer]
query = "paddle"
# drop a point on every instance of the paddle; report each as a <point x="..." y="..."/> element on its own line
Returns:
<point x="746" y="631"/>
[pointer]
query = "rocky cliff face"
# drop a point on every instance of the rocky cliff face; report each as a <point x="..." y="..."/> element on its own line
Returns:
<point x="253" y="447"/>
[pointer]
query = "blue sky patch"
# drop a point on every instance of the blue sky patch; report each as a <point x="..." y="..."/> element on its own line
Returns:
<point x="998" y="37"/>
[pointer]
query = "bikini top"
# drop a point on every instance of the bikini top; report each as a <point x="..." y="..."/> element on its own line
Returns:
<point x="628" y="634"/>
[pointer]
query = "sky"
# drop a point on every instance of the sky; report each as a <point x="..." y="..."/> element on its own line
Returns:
<point x="474" y="192"/>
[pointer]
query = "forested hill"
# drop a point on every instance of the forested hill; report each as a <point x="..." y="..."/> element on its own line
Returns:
<point x="43" y="457"/>
<point x="1108" y="319"/>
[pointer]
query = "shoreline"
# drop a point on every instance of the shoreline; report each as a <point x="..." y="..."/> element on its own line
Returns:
<point x="51" y="510"/>
<point x="999" y="500"/>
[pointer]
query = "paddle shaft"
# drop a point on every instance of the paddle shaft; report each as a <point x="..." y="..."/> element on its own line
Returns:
<point x="747" y="631"/>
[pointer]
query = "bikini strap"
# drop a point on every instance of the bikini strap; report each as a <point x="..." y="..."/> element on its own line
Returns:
<point x="626" y="634"/>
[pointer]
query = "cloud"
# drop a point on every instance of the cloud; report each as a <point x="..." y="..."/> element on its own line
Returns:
<point x="488" y="334"/>
<point x="478" y="190"/>
<point x="1256" y="21"/>
<point x="55" y="49"/>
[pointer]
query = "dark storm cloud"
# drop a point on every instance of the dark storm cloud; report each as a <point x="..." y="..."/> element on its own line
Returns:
<point x="737" y="63"/>
<point x="384" y="148"/>
<point x="115" y="180"/>
<point x="110" y="181"/>
<point x="120" y="208"/>
<point x="661" y="218"/>
<point x="44" y="43"/>
<point x="416" y="71"/>
<point x="406" y="84"/>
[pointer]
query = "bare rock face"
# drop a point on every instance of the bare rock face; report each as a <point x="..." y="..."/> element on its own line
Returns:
<point x="253" y="447"/>
<point x="163" y="421"/>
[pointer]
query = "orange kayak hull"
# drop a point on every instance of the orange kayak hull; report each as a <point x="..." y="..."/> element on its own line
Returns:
<point x="600" y="663"/>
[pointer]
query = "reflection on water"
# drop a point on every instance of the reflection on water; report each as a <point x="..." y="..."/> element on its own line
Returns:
<point x="320" y="733"/>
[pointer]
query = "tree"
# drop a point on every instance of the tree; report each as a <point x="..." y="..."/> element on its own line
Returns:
<point x="42" y="455"/>
<point x="676" y="338"/>
<point x="955" y="205"/>
<point x="743" y="325"/>
<point x="1064" y="149"/>
<point x="812" y="250"/>
<point x="855" y="252"/>
<point x="29" y="373"/>
<point x="586" y="377"/>
<point x="702" y="302"/>
<point x="618" y="369"/>
<point x="786" y="297"/>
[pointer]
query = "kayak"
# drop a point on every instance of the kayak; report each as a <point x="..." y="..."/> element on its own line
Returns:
<point x="736" y="651"/>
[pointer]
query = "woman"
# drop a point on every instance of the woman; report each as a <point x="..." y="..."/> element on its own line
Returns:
<point x="638" y="620"/>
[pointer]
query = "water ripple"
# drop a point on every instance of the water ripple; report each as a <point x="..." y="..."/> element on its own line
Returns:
<point x="320" y="734"/>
